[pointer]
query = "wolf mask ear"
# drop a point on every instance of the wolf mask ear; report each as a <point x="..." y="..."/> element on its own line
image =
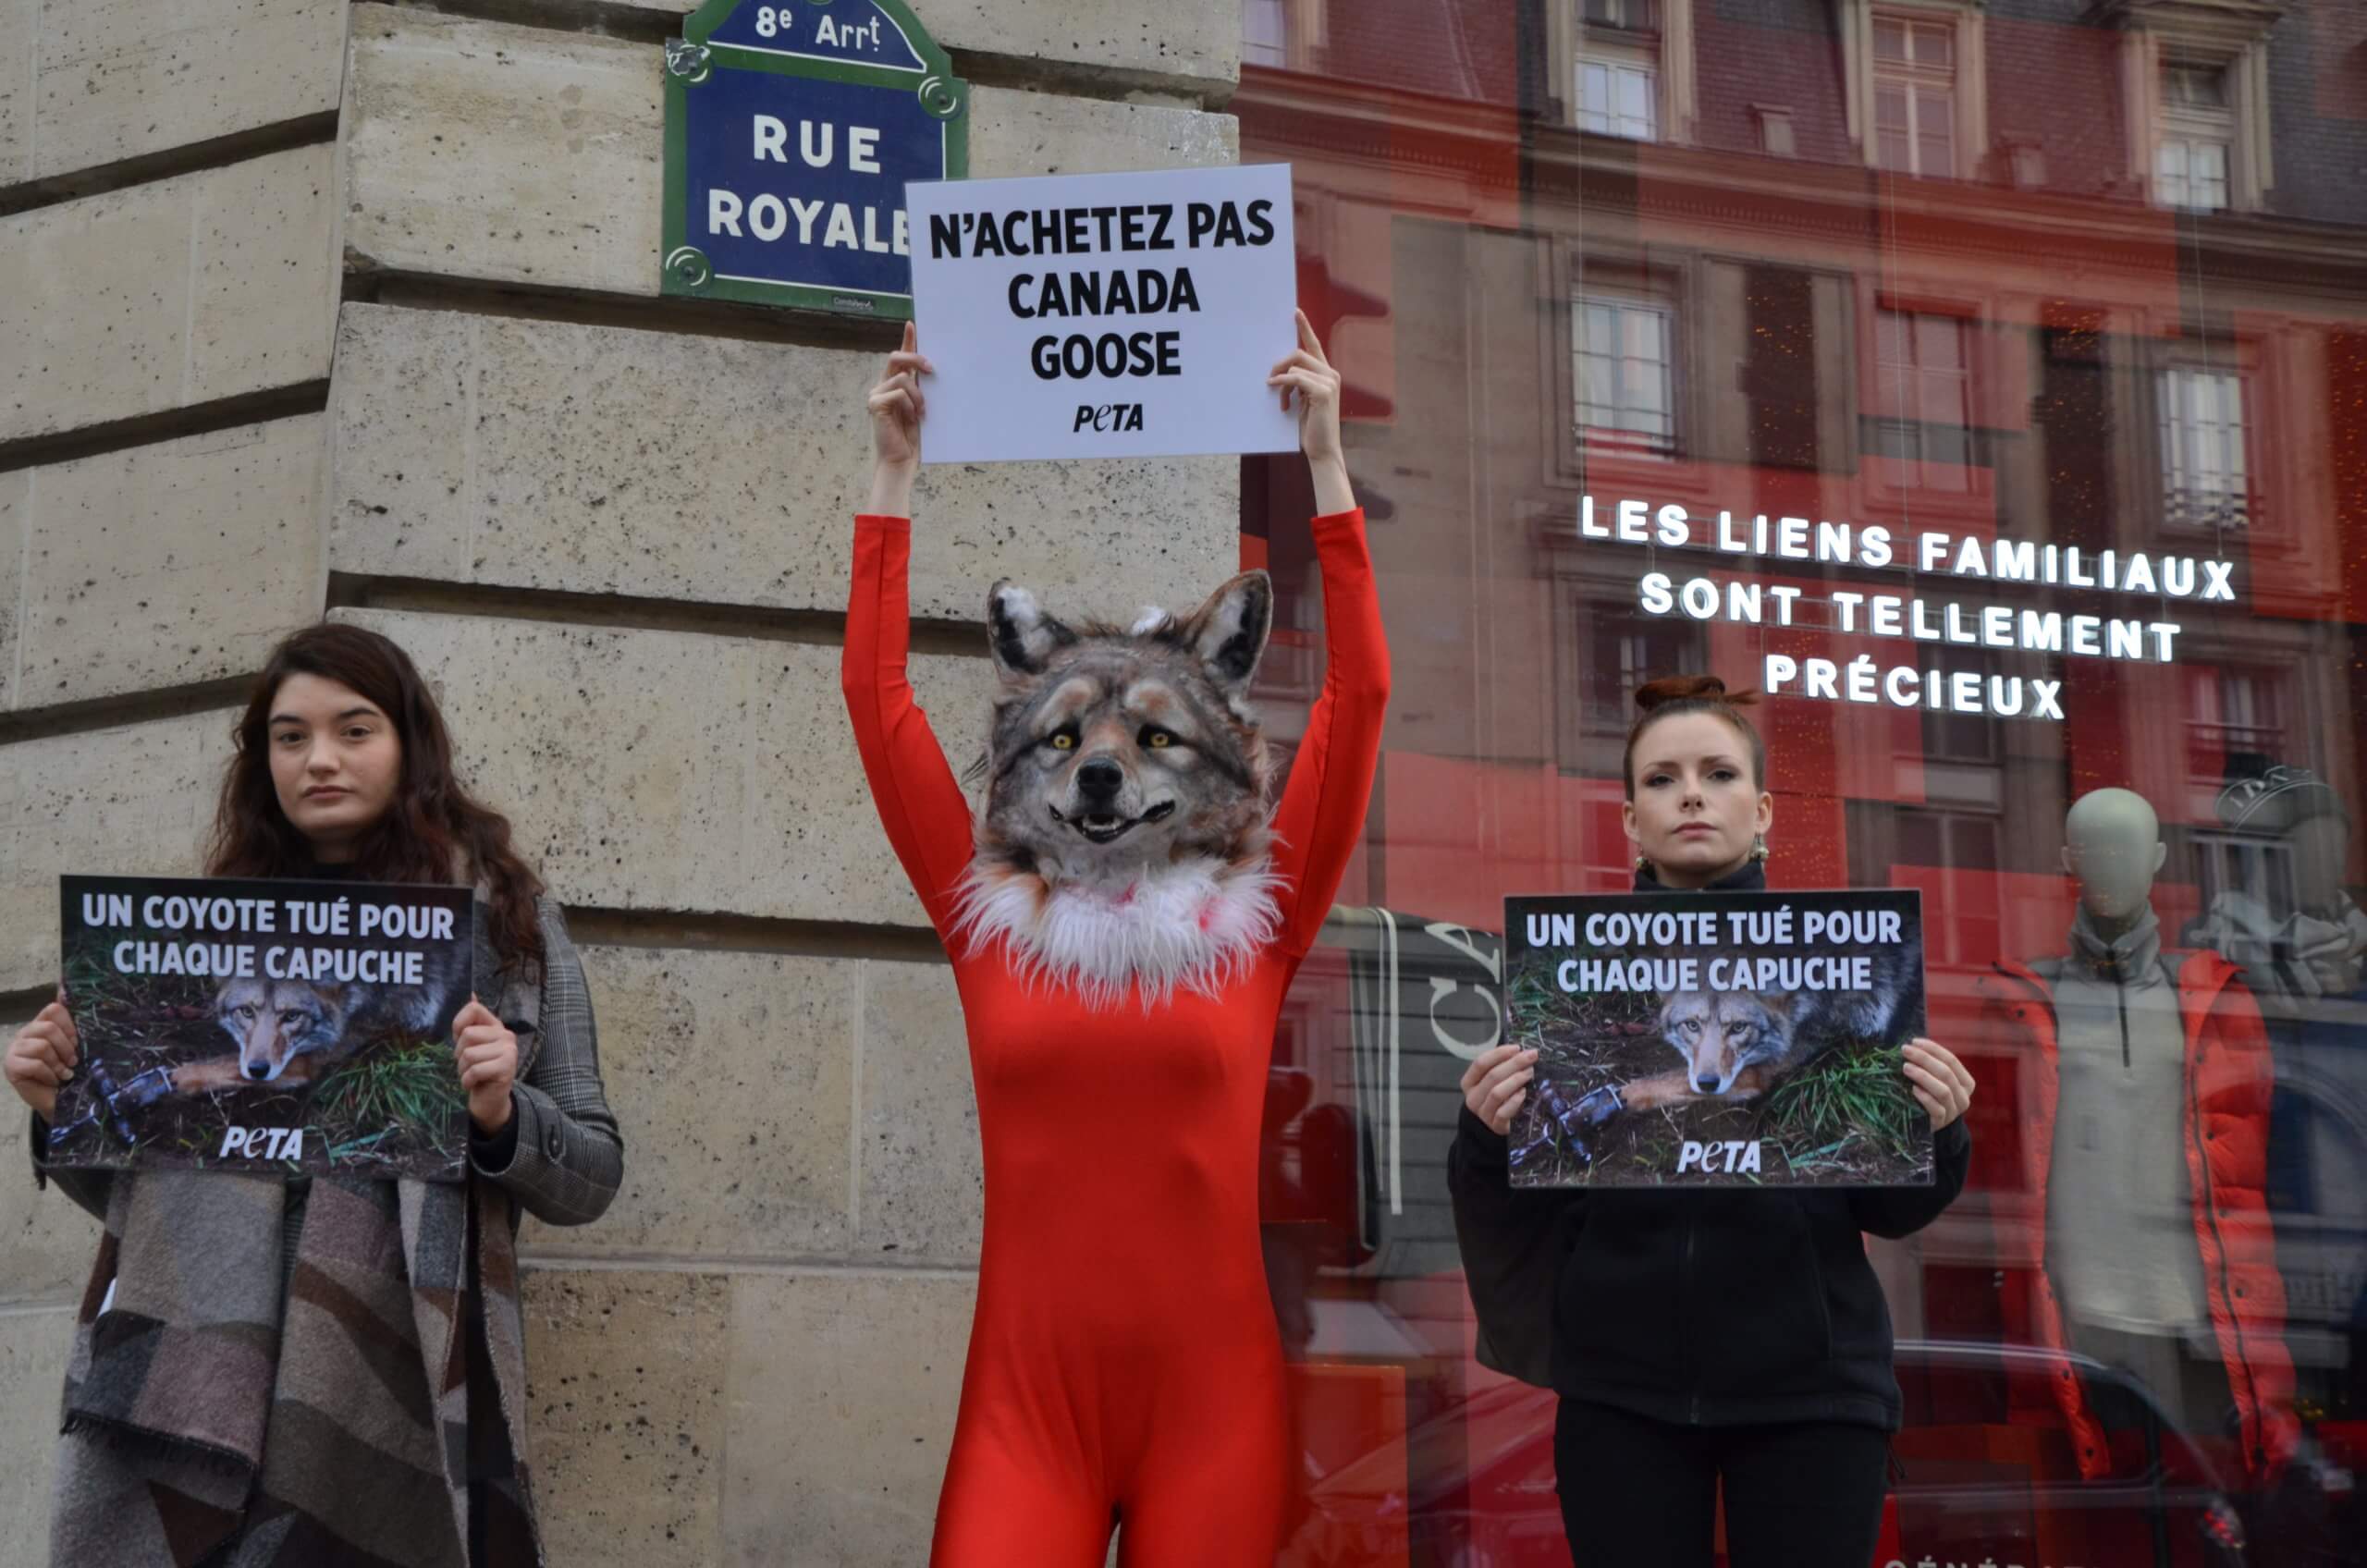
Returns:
<point x="1019" y="634"/>
<point x="1229" y="631"/>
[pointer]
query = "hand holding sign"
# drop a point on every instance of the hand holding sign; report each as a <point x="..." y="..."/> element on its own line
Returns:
<point x="42" y="1057"/>
<point x="488" y="1053"/>
<point x="1496" y="1082"/>
<point x="1939" y="1080"/>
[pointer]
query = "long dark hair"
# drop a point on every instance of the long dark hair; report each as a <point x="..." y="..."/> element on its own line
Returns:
<point x="433" y="831"/>
<point x="1673" y="694"/>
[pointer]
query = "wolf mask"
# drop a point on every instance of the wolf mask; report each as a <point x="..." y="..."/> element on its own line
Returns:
<point x="1123" y="835"/>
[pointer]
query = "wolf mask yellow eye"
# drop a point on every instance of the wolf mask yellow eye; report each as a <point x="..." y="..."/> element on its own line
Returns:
<point x="1157" y="740"/>
<point x="1063" y="741"/>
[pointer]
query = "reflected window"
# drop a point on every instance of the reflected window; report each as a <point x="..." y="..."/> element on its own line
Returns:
<point x="1923" y="397"/>
<point x="1962" y="737"/>
<point x="2203" y="483"/>
<point x="1264" y="36"/>
<point x="2243" y="862"/>
<point x="1631" y="66"/>
<point x="2236" y="708"/>
<point x="1915" y="95"/>
<point x="1964" y="846"/>
<point x="2198" y="138"/>
<point x="1618" y="97"/>
<point x="1617" y="90"/>
<point x="1635" y="15"/>
<point x="1625" y="374"/>
<point x="1619" y="652"/>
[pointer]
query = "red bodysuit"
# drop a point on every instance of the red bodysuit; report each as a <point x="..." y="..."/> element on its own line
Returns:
<point x="1124" y="1357"/>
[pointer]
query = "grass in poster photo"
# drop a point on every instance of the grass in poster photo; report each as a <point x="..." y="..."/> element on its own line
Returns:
<point x="1847" y="1116"/>
<point x="376" y="1100"/>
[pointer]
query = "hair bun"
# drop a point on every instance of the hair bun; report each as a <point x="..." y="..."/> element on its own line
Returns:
<point x="1689" y="689"/>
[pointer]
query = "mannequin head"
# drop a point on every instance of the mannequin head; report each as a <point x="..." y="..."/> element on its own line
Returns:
<point x="2112" y="846"/>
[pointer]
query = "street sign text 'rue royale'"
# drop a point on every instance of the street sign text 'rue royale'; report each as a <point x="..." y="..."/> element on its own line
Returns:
<point x="791" y="127"/>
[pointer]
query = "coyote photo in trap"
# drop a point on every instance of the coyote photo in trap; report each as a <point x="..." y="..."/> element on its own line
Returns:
<point x="291" y="1033"/>
<point x="1733" y="1043"/>
<point x="285" y="1029"/>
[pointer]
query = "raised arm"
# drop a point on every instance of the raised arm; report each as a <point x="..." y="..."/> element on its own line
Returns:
<point x="920" y="802"/>
<point x="1323" y="811"/>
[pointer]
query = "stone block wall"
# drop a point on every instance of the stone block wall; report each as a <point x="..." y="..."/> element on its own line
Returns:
<point x="315" y="308"/>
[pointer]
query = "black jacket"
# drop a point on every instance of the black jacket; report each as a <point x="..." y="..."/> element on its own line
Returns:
<point x="1704" y="1306"/>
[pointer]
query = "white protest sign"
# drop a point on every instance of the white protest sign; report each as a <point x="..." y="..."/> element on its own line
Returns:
<point x="1110" y="315"/>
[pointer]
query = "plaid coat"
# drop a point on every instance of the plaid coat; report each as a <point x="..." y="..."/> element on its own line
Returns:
<point x="569" y="1158"/>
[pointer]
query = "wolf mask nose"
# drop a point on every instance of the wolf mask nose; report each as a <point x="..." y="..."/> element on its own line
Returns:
<point x="1100" y="779"/>
<point x="1707" y="1083"/>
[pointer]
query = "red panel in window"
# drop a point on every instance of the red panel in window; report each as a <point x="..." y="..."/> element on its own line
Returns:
<point x="2096" y="715"/>
<point x="1802" y="757"/>
<point x="2347" y="458"/>
<point x="1461" y="835"/>
<point x="1787" y="491"/>
<point x="1810" y="845"/>
<point x="1855" y="750"/>
<point x="1363" y="355"/>
<point x="1350" y="1421"/>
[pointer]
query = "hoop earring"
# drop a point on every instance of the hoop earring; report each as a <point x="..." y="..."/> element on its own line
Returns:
<point x="1759" y="847"/>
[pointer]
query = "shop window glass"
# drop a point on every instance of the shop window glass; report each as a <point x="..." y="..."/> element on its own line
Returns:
<point x="2036" y="363"/>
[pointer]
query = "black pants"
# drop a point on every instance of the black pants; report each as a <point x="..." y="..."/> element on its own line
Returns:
<point x="1638" y="1493"/>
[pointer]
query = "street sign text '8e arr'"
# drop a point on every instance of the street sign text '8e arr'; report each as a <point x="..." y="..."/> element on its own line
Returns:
<point x="791" y="127"/>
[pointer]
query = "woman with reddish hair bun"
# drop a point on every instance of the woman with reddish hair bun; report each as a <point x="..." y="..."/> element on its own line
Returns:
<point x="1708" y="1338"/>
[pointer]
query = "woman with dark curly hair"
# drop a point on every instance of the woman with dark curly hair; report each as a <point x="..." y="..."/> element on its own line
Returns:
<point x="320" y="1369"/>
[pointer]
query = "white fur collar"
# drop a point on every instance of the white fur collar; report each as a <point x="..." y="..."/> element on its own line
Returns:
<point x="1192" y="924"/>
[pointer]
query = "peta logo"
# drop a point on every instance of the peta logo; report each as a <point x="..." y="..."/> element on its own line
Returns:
<point x="1731" y="1157"/>
<point x="263" y="1142"/>
<point x="1108" y="416"/>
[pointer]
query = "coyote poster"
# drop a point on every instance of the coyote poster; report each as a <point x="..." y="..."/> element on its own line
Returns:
<point x="264" y="1026"/>
<point x="1718" y="1039"/>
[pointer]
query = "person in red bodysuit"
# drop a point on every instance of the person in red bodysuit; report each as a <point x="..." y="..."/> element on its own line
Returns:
<point x="1124" y="922"/>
